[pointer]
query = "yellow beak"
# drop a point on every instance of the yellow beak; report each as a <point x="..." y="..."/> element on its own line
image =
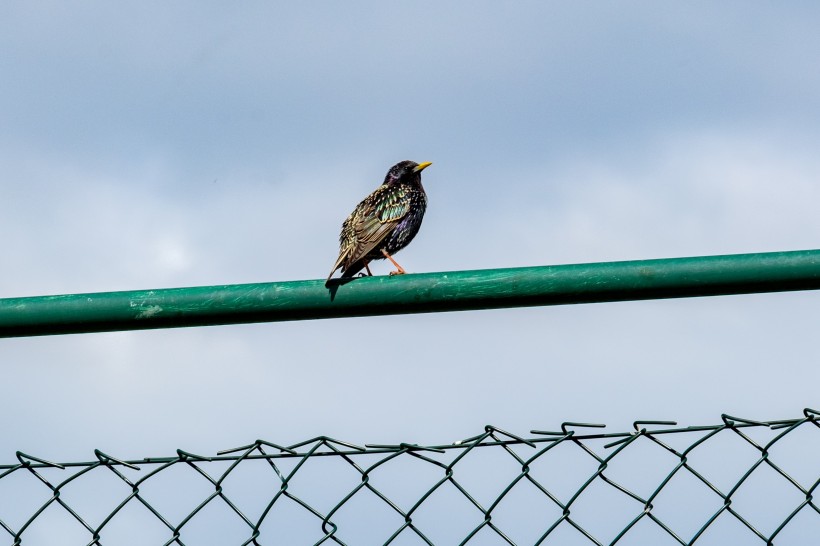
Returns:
<point x="422" y="166"/>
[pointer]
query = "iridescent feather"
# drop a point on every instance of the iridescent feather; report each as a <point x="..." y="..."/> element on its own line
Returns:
<point x="386" y="220"/>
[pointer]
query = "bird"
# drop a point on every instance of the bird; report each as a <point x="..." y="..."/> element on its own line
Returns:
<point x="384" y="222"/>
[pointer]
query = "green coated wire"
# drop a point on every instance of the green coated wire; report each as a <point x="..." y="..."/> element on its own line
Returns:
<point x="448" y="460"/>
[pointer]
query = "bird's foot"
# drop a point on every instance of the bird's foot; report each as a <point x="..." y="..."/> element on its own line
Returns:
<point x="368" y="274"/>
<point x="399" y="269"/>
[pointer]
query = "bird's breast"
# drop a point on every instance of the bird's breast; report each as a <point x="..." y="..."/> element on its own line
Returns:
<point x="410" y="224"/>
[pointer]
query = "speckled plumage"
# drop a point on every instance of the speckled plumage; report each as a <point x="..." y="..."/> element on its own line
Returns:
<point x="385" y="221"/>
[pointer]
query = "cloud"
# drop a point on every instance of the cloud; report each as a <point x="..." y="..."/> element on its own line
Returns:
<point x="194" y="145"/>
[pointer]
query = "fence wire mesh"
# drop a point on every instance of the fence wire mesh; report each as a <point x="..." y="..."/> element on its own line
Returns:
<point x="738" y="482"/>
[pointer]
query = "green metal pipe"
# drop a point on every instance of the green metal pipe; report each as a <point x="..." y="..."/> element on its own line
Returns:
<point x="420" y="293"/>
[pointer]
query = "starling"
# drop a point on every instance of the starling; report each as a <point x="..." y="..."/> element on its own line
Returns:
<point x="385" y="222"/>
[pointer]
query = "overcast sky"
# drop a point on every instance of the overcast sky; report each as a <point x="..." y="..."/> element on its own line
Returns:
<point x="198" y="143"/>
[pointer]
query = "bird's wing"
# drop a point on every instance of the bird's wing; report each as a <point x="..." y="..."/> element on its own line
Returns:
<point x="347" y="242"/>
<point x="372" y="220"/>
<point x="378" y="217"/>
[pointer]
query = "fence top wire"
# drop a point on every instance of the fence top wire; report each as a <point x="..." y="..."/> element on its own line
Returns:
<point x="450" y="470"/>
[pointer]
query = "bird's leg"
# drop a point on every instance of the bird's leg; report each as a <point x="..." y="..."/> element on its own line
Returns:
<point x="369" y="273"/>
<point x="399" y="269"/>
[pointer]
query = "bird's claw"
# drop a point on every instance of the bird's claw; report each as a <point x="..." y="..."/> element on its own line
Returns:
<point x="396" y="273"/>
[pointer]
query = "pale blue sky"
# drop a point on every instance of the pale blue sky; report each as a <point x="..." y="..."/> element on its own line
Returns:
<point x="155" y="146"/>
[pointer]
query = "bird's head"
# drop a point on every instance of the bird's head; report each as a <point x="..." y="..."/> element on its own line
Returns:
<point x="406" y="172"/>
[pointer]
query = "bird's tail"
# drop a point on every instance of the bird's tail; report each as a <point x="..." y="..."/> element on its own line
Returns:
<point x="336" y="266"/>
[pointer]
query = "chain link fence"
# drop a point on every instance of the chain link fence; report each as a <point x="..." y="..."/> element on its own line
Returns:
<point x="737" y="482"/>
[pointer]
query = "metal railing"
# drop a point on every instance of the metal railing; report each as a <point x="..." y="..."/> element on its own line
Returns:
<point x="653" y="485"/>
<point x="420" y="293"/>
